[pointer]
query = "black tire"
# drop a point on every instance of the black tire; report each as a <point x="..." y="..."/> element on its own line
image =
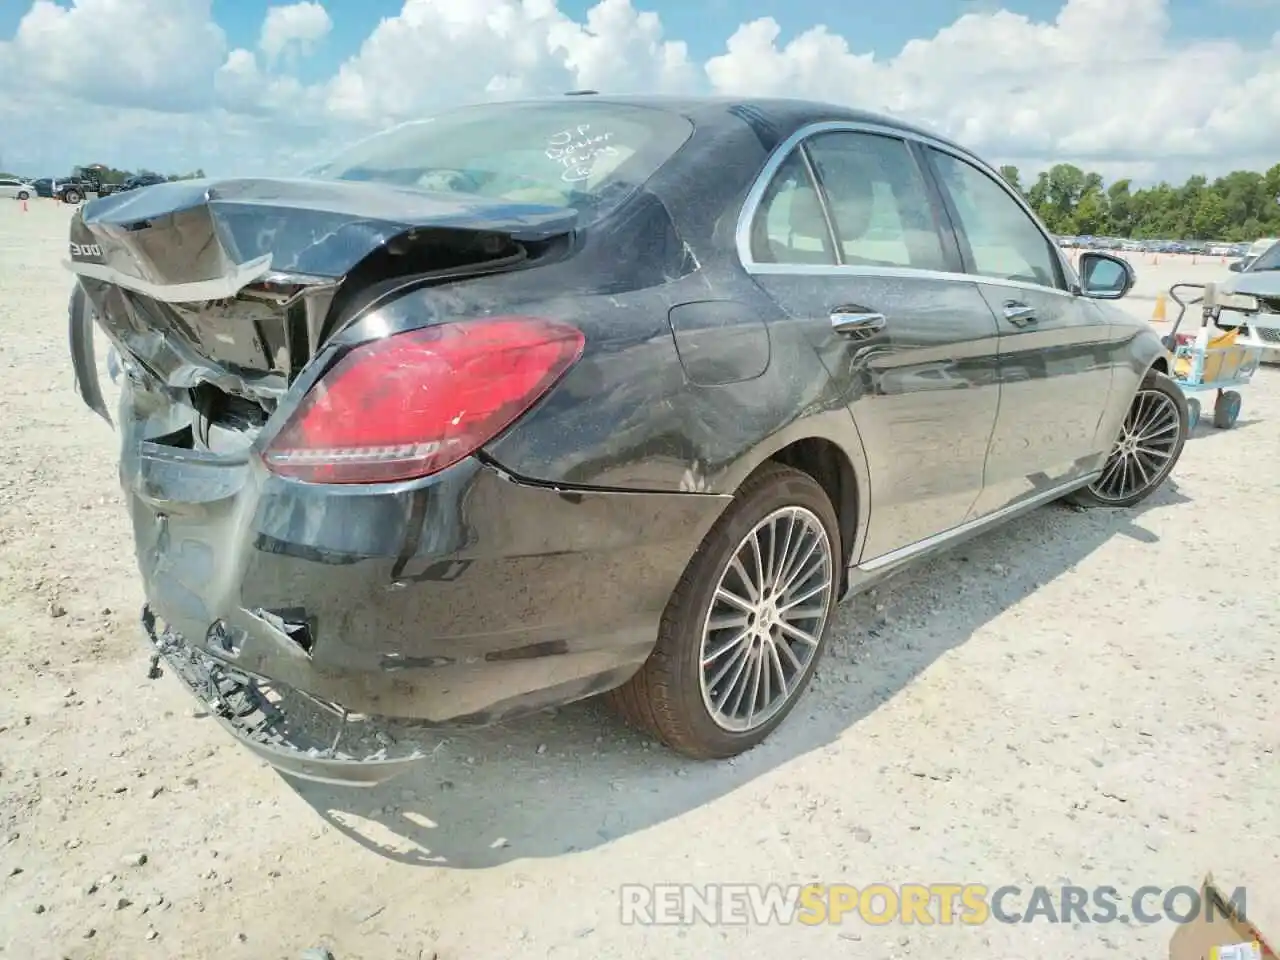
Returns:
<point x="23" y="195"/>
<point x="1099" y="493"/>
<point x="72" y="197"/>
<point x="666" y="697"/>
<point x="1226" y="409"/>
<point x="1193" y="414"/>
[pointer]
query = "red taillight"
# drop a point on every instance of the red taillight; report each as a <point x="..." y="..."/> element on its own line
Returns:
<point x="414" y="403"/>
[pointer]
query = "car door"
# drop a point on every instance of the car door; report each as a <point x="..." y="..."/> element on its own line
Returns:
<point x="1056" y="354"/>
<point x="8" y="189"/>
<point x="853" y="244"/>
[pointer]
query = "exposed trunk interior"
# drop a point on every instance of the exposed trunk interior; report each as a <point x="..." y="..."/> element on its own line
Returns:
<point x="230" y="360"/>
<point x="217" y="295"/>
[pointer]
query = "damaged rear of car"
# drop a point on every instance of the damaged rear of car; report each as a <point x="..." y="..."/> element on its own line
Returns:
<point x="311" y="371"/>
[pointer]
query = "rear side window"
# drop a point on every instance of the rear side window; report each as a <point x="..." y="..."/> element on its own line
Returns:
<point x="878" y="201"/>
<point x="1005" y="241"/>
<point x="590" y="156"/>
<point x="789" y="225"/>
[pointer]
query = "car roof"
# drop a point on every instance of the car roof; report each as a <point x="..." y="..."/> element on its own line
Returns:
<point x="785" y="115"/>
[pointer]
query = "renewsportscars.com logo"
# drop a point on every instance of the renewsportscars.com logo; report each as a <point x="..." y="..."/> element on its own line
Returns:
<point x="944" y="904"/>
<point x="85" y="249"/>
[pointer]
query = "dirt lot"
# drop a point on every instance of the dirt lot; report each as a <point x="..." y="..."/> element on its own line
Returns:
<point x="1083" y="697"/>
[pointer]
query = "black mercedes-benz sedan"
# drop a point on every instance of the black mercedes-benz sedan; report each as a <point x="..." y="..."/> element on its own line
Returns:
<point x="534" y="401"/>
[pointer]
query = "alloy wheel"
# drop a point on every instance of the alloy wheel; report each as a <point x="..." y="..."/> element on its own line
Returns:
<point x="1143" y="453"/>
<point x="765" y="623"/>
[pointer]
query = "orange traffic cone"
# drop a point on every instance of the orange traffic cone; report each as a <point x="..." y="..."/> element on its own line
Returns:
<point x="24" y="206"/>
<point x="1158" y="315"/>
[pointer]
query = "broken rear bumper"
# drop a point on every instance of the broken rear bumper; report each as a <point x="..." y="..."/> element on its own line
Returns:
<point x="296" y="734"/>
<point x="467" y="599"/>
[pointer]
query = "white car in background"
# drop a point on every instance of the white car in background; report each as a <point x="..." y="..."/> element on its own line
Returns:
<point x="11" y="189"/>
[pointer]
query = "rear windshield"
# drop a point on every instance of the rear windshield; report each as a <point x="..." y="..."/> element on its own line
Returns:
<point x="589" y="156"/>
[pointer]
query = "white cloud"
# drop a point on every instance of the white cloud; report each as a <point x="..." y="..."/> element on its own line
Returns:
<point x="153" y="54"/>
<point x="462" y="49"/>
<point x="1102" y="84"/>
<point x="298" y="25"/>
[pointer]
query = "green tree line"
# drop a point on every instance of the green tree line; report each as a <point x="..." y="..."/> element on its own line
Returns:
<point x="1243" y="205"/>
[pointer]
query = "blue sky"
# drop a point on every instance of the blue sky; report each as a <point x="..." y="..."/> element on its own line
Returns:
<point x="870" y="27"/>
<point x="704" y="24"/>
<point x="1146" y="89"/>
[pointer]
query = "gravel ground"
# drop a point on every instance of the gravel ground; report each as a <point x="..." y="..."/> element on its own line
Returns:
<point x="1082" y="696"/>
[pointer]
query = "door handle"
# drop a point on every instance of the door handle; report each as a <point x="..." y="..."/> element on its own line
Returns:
<point x="851" y="323"/>
<point x="1019" y="314"/>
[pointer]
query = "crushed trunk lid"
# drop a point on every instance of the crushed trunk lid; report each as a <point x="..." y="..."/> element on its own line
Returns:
<point x="236" y="284"/>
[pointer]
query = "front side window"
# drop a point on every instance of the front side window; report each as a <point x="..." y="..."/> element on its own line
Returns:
<point x="878" y="201"/>
<point x="1005" y="241"/>
<point x="588" y="156"/>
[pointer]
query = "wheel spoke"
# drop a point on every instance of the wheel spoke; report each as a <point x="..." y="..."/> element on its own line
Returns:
<point x="728" y="621"/>
<point x="766" y="675"/>
<point x="742" y="661"/>
<point x="744" y="682"/>
<point x="795" y="633"/>
<point x="811" y="592"/>
<point x="756" y="670"/>
<point x="799" y="567"/>
<point x="770" y="556"/>
<point x="797" y="665"/>
<point x="716" y="653"/>
<point x="725" y="595"/>
<point x="1138" y="467"/>
<point x="778" y="671"/>
<point x="760" y="579"/>
<point x="745" y="578"/>
<point x="783" y="555"/>
<point x="798" y="555"/>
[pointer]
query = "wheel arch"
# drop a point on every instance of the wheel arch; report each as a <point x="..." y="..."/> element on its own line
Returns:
<point x="830" y="467"/>
<point x="819" y="447"/>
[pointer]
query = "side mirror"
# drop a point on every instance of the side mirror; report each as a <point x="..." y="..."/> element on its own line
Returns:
<point x="1235" y="266"/>
<point x="1104" y="276"/>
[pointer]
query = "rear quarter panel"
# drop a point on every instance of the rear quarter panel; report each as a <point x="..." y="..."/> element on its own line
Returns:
<point x="627" y="416"/>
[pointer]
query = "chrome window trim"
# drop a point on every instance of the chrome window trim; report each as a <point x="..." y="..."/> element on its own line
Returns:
<point x="751" y="205"/>
<point x="837" y="252"/>
<point x="906" y="273"/>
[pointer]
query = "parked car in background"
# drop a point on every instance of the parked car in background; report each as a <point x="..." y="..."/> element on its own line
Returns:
<point x="83" y="182"/>
<point x="1252" y="293"/>
<point x="143" y="180"/>
<point x="13" y="189"/>
<point x="1253" y="251"/>
<point x="551" y="399"/>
